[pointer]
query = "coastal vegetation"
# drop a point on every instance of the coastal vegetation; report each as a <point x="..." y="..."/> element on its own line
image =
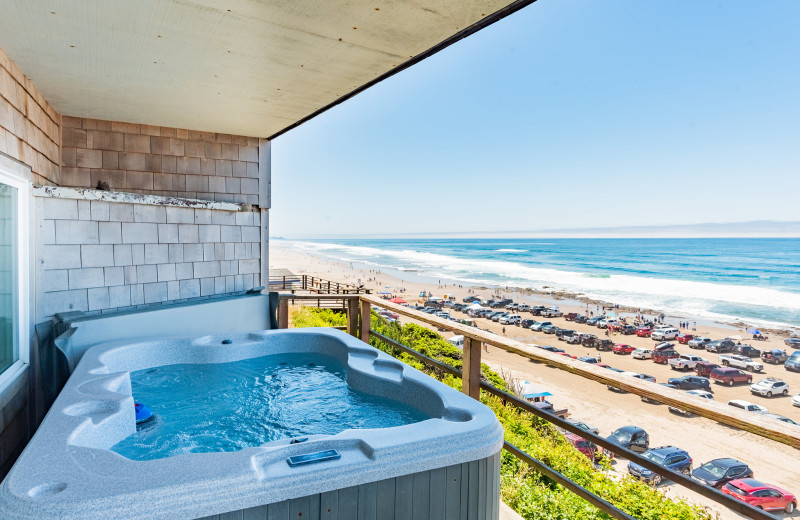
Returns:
<point x="533" y="495"/>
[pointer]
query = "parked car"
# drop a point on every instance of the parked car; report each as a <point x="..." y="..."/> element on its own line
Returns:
<point x="737" y="361"/>
<point x="540" y="325"/>
<point x="704" y="368"/>
<point x="582" y="445"/>
<point x="729" y="376"/>
<point x="746" y="350"/>
<point x="636" y="375"/>
<point x="631" y="437"/>
<point x="663" y="356"/>
<point x="552" y="312"/>
<point x="683" y="339"/>
<point x="792" y="342"/>
<point x="620" y="348"/>
<point x="704" y="394"/>
<point x="642" y="353"/>
<point x="698" y="343"/>
<point x="796" y="400"/>
<point x="550" y="329"/>
<point x="720" y="345"/>
<point x="644" y="332"/>
<point x="471" y="299"/>
<point x="570" y="316"/>
<point x="584" y="426"/>
<point x="526" y="323"/>
<point x="690" y="383"/>
<point x="513" y="306"/>
<point x="537" y="310"/>
<point x="769" y="387"/>
<point x="718" y="472"/>
<point x="627" y="330"/>
<point x="760" y="495"/>
<point x="646" y="400"/>
<point x="580" y="318"/>
<point x="564" y="333"/>
<point x="604" y="345"/>
<point x="589" y="359"/>
<point x="575" y="339"/>
<point x="510" y="319"/>
<point x="664" y="334"/>
<point x="793" y="363"/>
<point x="781" y="418"/>
<point x="496" y="317"/>
<point x="685" y="362"/>
<point x="747" y="406"/>
<point x="774" y="356"/>
<point x="588" y="340"/>
<point x="548" y="348"/>
<point x="524" y="307"/>
<point x="670" y="457"/>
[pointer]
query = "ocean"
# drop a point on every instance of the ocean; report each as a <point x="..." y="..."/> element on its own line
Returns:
<point x="755" y="280"/>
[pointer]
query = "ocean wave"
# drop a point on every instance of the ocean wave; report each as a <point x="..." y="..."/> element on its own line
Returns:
<point x="511" y="250"/>
<point x="672" y="295"/>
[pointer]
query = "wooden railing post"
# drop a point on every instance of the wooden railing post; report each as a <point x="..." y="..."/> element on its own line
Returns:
<point x="365" y="321"/>
<point x="283" y="313"/>
<point x="352" y="317"/>
<point x="471" y="368"/>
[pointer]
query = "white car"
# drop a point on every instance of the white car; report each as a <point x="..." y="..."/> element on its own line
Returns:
<point x="769" y="387"/>
<point x="664" y="334"/>
<point x="747" y="406"/>
<point x="796" y="400"/>
<point x="699" y="393"/>
<point x="524" y="307"/>
<point x="510" y="319"/>
<point x="643" y="353"/>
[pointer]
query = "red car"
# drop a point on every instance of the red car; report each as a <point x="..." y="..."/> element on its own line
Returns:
<point x="760" y="495"/>
<point x="644" y="332"/>
<point x="663" y="356"/>
<point x="684" y="338"/>
<point x="619" y="348"/>
<point x="582" y="445"/>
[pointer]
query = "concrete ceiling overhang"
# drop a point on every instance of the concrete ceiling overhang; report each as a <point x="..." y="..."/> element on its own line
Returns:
<point x="245" y="67"/>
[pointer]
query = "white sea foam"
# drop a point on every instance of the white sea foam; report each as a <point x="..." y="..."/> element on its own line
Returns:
<point x="670" y="295"/>
<point x="511" y="250"/>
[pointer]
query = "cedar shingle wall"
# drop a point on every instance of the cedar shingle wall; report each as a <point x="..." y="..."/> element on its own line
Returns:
<point x="29" y="127"/>
<point x="159" y="160"/>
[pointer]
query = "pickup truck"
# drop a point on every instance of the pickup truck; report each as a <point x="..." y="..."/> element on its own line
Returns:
<point x="743" y="362"/>
<point x="685" y="362"/>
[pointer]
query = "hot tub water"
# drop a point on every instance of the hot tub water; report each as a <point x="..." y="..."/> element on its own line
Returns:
<point x="231" y="406"/>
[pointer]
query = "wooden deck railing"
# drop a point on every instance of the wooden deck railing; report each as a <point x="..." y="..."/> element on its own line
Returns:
<point x="359" y="313"/>
<point x="313" y="284"/>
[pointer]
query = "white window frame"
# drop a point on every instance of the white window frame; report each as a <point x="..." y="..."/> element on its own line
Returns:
<point x="16" y="175"/>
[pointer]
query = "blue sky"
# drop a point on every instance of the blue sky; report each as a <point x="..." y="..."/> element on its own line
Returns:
<point x="567" y="114"/>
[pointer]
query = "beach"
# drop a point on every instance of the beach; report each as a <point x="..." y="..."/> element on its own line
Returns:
<point x="587" y="400"/>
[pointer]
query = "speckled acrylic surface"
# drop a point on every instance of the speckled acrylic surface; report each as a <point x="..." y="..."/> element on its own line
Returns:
<point x="67" y="470"/>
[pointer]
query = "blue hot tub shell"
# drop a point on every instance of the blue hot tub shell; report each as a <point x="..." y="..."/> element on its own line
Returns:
<point x="67" y="470"/>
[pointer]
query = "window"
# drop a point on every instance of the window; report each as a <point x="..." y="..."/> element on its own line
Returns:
<point x="14" y="270"/>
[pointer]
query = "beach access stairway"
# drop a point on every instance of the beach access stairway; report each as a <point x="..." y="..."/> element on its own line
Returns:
<point x="358" y="309"/>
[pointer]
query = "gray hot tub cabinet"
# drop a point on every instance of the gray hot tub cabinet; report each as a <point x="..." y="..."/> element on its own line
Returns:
<point x="440" y="468"/>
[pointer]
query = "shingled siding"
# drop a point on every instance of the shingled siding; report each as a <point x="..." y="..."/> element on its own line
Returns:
<point x="29" y="127"/>
<point x="158" y="160"/>
<point x="98" y="255"/>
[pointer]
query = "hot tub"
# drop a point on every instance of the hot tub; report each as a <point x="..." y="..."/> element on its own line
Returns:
<point x="445" y="465"/>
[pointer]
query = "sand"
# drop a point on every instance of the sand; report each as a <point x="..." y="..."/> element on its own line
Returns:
<point x="590" y="401"/>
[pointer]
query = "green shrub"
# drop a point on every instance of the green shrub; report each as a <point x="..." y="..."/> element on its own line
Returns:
<point x="314" y="317"/>
<point x="531" y="494"/>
